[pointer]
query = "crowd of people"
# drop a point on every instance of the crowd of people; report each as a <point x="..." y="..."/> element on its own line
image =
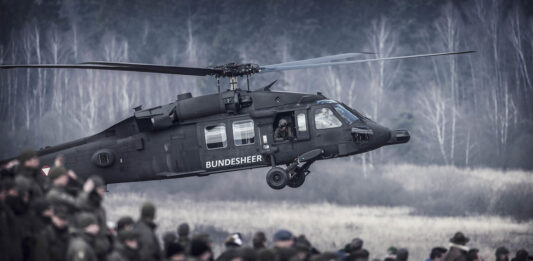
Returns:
<point x="58" y="216"/>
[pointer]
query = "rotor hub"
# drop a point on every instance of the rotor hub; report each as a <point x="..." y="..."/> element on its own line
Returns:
<point x="234" y="69"/>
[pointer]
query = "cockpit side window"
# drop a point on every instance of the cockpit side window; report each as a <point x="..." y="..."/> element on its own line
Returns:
<point x="326" y="119"/>
<point x="215" y="136"/>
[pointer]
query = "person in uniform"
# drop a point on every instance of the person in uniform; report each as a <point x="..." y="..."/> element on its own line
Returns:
<point x="283" y="245"/>
<point x="283" y="131"/>
<point x="200" y="249"/>
<point x="458" y="250"/>
<point x="502" y="254"/>
<point x="127" y="246"/>
<point x="42" y="211"/>
<point x="150" y="249"/>
<point x="53" y="241"/>
<point x="83" y="239"/>
<point x="183" y="235"/>
<point x="259" y="240"/>
<point x="437" y="253"/>
<point x="29" y="171"/>
<point x="232" y="243"/>
<point x="90" y="201"/>
<point x="58" y="194"/>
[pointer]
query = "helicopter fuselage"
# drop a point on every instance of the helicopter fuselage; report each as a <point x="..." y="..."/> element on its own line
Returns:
<point x="223" y="132"/>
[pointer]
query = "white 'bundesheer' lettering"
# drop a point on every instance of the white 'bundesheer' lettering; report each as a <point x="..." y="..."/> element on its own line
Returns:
<point x="233" y="161"/>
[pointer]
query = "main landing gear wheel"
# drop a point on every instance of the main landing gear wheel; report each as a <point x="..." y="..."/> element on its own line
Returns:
<point x="277" y="178"/>
<point x="297" y="180"/>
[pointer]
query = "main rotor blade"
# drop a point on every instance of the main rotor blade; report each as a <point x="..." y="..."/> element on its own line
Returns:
<point x="271" y="68"/>
<point x="121" y="67"/>
<point x="162" y="68"/>
<point x="321" y="59"/>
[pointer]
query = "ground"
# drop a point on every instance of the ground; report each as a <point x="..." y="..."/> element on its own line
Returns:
<point x="328" y="226"/>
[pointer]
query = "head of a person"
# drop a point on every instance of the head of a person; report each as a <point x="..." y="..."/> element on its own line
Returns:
<point x="473" y="255"/>
<point x="148" y="211"/>
<point x="60" y="217"/>
<point x="283" y="124"/>
<point x="459" y="239"/>
<point x="29" y="159"/>
<point x="42" y="208"/>
<point x="502" y="254"/>
<point x="356" y="244"/>
<point x="183" y="230"/>
<point x="402" y="254"/>
<point x="125" y="223"/>
<point x="259" y="240"/>
<point x="58" y="176"/>
<point x="303" y="247"/>
<point x="174" y="252"/>
<point x="99" y="185"/>
<point x="521" y="255"/>
<point x="199" y="248"/>
<point x="130" y="238"/>
<point x="283" y="239"/>
<point x="87" y="223"/>
<point x="234" y="240"/>
<point x="437" y="253"/>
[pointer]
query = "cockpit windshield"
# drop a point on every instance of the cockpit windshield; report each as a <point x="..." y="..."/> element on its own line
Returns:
<point x="346" y="114"/>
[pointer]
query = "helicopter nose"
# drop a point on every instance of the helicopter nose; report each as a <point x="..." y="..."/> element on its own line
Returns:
<point x="399" y="137"/>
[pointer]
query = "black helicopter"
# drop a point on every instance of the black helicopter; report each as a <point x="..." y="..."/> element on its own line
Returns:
<point x="226" y="131"/>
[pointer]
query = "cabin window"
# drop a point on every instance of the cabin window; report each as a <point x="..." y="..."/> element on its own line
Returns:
<point x="325" y="119"/>
<point x="302" y="124"/>
<point x="243" y="132"/>
<point x="215" y="136"/>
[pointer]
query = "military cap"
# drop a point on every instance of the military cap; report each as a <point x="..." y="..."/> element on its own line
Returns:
<point x="502" y="251"/>
<point x="56" y="172"/>
<point x="98" y="181"/>
<point x="183" y="229"/>
<point x="459" y="238"/>
<point x="128" y="234"/>
<point x="85" y="219"/>
<point x="26" y="155"/>
<point x="282" y="235"/>
<point x="148" y="210"/>
<point x="123" y="222"/>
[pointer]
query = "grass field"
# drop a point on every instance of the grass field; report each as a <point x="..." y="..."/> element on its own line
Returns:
<point x="328" y="226"/>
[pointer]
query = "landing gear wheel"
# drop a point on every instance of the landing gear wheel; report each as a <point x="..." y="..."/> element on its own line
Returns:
<point x="297" y="180"/>
<point x="277" y="178"/>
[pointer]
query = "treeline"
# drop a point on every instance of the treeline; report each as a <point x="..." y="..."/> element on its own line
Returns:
<point x="468" y="110"/>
